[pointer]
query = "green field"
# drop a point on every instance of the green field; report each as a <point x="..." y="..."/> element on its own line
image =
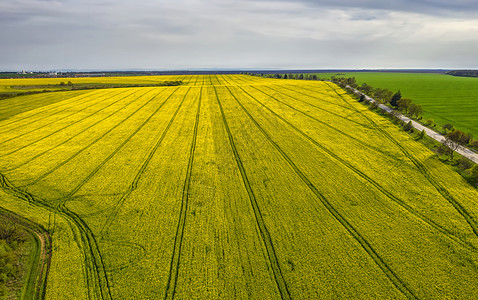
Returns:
<point x="445" y="98"/>
<point x="235" y="187"/>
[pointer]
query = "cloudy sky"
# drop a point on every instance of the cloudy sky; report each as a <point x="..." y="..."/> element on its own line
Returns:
<point x="192" y="34"/>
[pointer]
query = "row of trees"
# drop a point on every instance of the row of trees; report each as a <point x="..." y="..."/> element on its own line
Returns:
<point x="286" y="76"/>
<point x="385" y="96"/>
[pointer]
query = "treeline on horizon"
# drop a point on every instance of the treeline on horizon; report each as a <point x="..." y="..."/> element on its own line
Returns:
<point x="463" y="73"/>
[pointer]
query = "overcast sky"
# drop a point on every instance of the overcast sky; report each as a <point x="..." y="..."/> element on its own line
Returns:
<point x="191" y="34"/>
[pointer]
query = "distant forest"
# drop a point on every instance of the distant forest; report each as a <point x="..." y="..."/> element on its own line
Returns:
<point x="464" y="73"/>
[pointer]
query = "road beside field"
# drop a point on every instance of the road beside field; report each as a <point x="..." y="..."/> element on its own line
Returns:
<point x="466" y="152"/>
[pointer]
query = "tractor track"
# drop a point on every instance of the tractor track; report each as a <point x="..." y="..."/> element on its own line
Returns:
<point x="71" y="137"/>
<point x="53" y="114"/>
<point x="178" y="239"/>
<point x="318" y="107"/>
<point x="346" y="224"/>
<point x="371" y="181"/>
<point x="378" y="150"/>
<point x="117" y="206"/>
<point x="93" y="279"/>
<point x="90" y="144"/>
<point x="43" y="109"/>
<point x="58" y="130"/>
<point x="99" y="166"/>
<point x="425" y="172"/>
<point x="266" y="238"/>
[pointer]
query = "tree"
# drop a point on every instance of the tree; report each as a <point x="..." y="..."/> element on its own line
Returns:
<point x="459" y="137"/>
<point x="422" y="134"/>
<point x="448" y="127"/>
<point x="408" y="126"/>
<point x="301" y="76"/>
<point x="383" y="95"/>
<point x="403" y="104"/>
<point x="474" y="173"/>
<point x="455" y="139"/>
<point x="285" y="76"/>
<point x="430" y="123"/>
<point x="394" y="101"/>
<point x="362" y="98"/>
<point x="352" y="82"/>
<point x="366" y="89"/>
<point x="415" y="110"/>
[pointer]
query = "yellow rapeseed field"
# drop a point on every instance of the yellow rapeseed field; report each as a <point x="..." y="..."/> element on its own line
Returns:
<point x="233" y="187"/>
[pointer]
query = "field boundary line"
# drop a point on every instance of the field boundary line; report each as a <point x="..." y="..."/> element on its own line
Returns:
<point x="37" y="274"/>
<point x="469" y="153"/>
<point x="347" y="225"/>
<point x="178" y="239"/>
<point x="276" y="270"/>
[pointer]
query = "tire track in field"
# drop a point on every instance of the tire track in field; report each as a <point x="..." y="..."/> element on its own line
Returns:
<point x="35" y="98"/>
<point x="45" y="125"/>
<point x="74" y="136"/>
<point x="314" y="97"/>
<point x="399" y="284"/>
<point x="44" y="109"/>
<point x="366" y="145"/>
<point x="89" y="145"/>
<point x="60" y="129"/>
<point x="370" y="180"/>
<point x="317" y="107"/>
<point x="138" y="175"/>
<point x="99" y="166"/>
<point x="55" y="113"/>
<point x="88" y="238"/>
<point x="93" y="258"/>
<point x="178" y="239"/>
<point x="22" y="104"/>
<point x="311" y="89"/>
<point x="224" y="78"/>
<point x="93" y="282"/>
<point x="195" y="82"/>
<point x="265" y="235"/>
<point x="425" y="172"/>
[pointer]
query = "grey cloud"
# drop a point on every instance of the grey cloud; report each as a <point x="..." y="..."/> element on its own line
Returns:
<point x="453" y="8"/>
<point x="165" y="34"/>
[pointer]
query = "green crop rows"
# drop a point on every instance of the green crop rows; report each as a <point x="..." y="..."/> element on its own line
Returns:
<point x="445" y="99"/>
